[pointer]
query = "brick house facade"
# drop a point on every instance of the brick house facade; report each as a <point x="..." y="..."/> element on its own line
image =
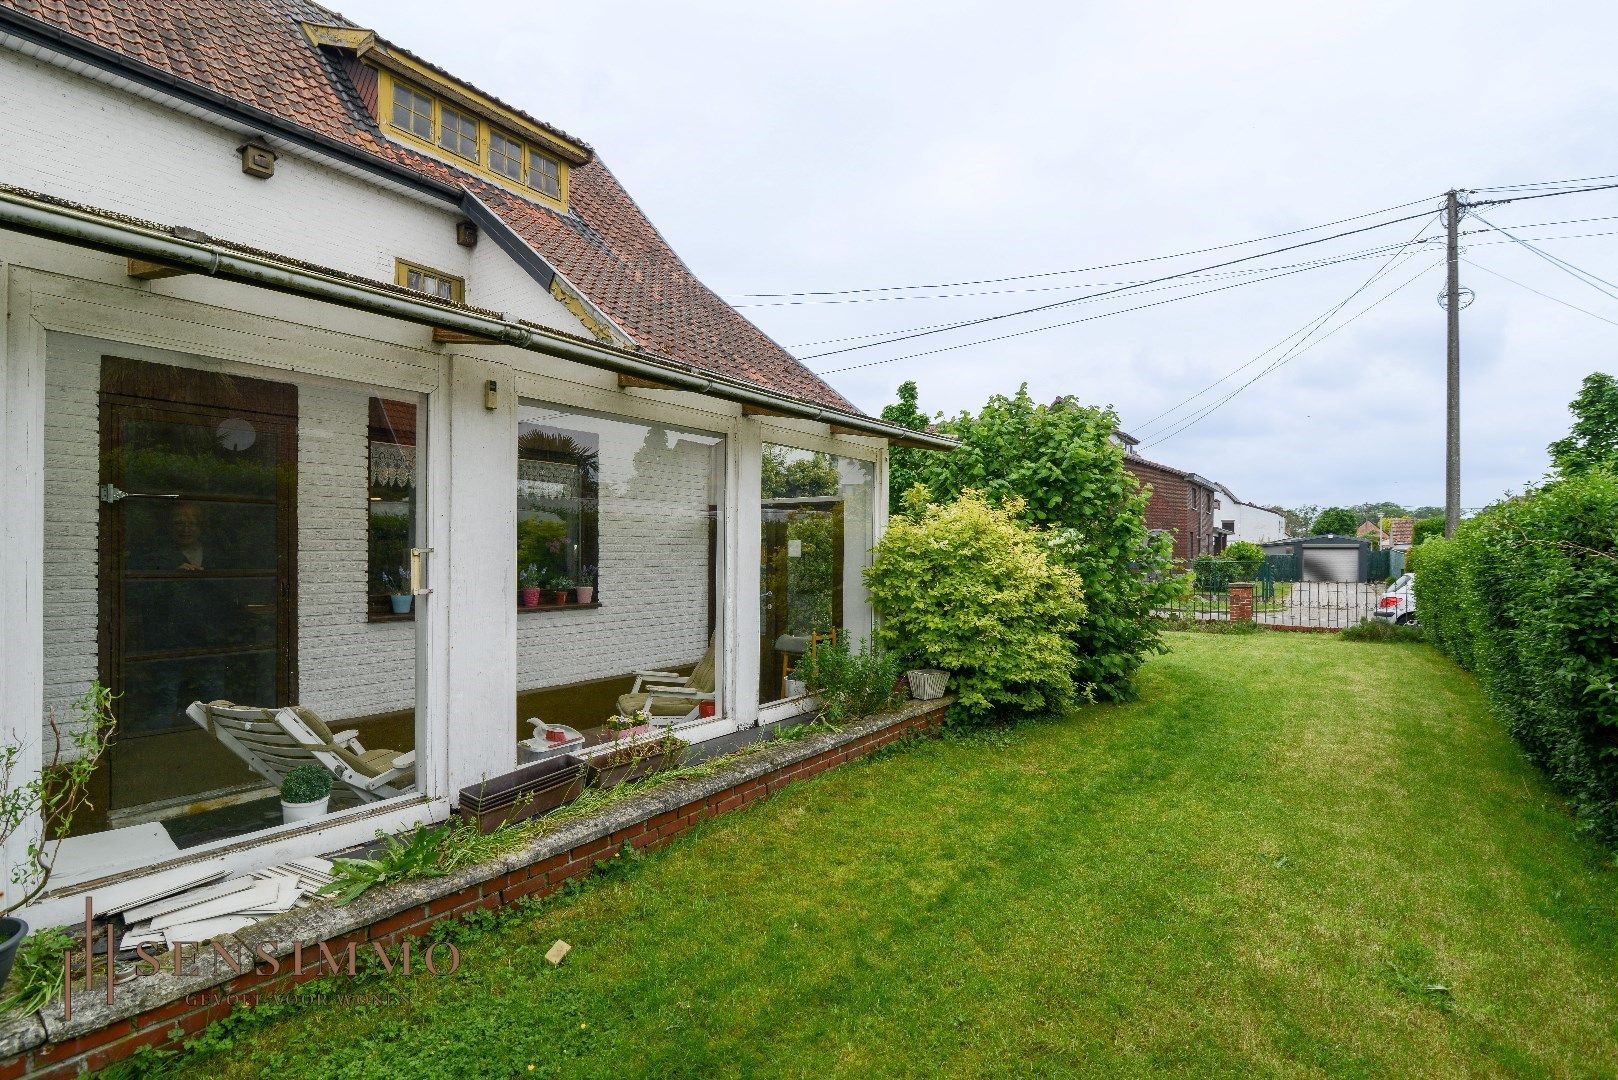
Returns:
<point x="1181" y="503"/>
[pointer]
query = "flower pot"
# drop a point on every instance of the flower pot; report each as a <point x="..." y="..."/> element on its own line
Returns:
<point x="619" y="734"/>
<point x="401" y="604"/>
<point x="304" y="811"/>
<point x="927" y="683"/>
<point x="585" y="593"/>
<point x="12" y="931"/>
<point x="797" y="688"/>
<point x="622" y="766"/>
<point x="707" y="708"/>
<point x="530" y="596"/>
<point x="561" y="596"/>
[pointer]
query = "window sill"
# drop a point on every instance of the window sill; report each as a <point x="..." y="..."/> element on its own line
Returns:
<point x="388" y="616"/>
<point x="558" y="607"/>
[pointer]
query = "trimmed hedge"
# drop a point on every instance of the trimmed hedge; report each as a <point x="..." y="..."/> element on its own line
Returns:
<point x="1526" y="596"/>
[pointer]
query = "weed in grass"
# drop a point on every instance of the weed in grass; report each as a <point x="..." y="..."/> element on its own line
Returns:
<point x="1410" y="971"/>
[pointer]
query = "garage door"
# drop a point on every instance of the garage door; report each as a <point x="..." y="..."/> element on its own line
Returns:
<point x="1331" y="564"/>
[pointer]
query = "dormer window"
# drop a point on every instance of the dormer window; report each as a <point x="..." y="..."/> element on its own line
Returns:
<point x="458" y="133"/>
<point x="545" y="174"/>
<point x="505" y="156"/>
<point x="412" y="111"/>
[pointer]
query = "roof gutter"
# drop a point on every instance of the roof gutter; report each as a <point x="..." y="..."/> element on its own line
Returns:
<point x="119" y="237"/>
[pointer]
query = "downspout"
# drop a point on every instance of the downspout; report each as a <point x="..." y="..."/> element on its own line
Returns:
<point x="85" y="229"/>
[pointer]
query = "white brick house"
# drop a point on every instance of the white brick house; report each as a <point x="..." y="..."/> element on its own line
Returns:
<point x="291" y="314"/>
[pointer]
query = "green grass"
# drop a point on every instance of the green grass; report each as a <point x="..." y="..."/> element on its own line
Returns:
<point x="1294" y="856"/>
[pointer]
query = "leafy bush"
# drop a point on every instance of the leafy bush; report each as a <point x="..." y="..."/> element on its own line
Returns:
<point x="850" y="683"/>
<point x="1213" y="573"/>
<point x="1426" y="529"/>
<point x="1061" y="467"/>
<point x="1383" y="630"/>
<point x="1526" y="596"/>
<point x="305" y="783"/>
<point x="969" y="588"/>
<point x="1245" y="551"/>
<point x="36" y="973"/>
<point x="1337" y="521"/>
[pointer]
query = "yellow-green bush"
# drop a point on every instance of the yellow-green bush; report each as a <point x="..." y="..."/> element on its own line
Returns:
<point x="967" y="587"/>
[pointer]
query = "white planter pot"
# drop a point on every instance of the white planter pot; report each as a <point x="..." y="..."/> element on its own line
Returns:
<point x="927" y="683"/>
<point x="303" y="811"/>
<point x="797" y="688"/>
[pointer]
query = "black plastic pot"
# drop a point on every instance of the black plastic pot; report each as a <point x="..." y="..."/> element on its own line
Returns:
<point x="12" y="931"/>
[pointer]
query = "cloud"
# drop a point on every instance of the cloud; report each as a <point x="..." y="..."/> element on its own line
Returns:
<point x="795" y="146"/>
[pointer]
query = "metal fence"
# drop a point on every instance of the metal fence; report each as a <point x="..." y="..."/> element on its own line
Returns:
<point x="1280" y="602"/>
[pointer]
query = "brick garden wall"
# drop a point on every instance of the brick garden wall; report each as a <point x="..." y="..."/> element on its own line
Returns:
<point x="54" y="1047"/>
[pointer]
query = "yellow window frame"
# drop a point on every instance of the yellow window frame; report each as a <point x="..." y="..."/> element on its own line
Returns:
<point x="401" y="277"/>
<point x="386" y="80"/>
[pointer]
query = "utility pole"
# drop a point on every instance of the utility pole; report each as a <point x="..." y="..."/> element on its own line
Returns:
<point x="1452" y="310"/>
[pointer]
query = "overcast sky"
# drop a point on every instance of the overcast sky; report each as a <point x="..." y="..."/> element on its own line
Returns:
<point x="789" y="147"/>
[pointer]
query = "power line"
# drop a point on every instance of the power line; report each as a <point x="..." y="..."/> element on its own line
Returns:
<point x="1546" y="183"/>
<point x="1205" y="413"/>
<point x="1323" y="262"/>
<point x="1109" y="292"/>
<point x="1536" y="292"/>
<point x="1088" y="269"/>
<point x="1561" y="264"/>
<point x="1307" y="329"/>
<point x="1057" y="326"/>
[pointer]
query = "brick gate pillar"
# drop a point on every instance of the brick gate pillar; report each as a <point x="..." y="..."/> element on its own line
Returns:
<point x="1241" y="601"/>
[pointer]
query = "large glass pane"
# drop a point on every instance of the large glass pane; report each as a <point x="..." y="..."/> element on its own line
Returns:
<point x="618" y="558"/>
<point x="816" y="542"/>
<point x="239" y="546"/>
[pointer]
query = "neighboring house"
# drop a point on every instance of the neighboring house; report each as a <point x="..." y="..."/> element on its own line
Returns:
<point x="315" y="353"/>
<point x="1370" y="530"/>
<point x="1181" y="503"/>
<point x="1247" y="521"/>
<point x="1401" y="533"/>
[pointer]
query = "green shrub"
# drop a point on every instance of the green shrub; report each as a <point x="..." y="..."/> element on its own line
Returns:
<point x="305" y="783"/>
<point x="1214" y="573"/>
<point x="1526" y="596"/>
<point x="850" y="683"/>
<point x="1061" y="466"/>
<point x="1245" y="551"/>
<point x="969" y="588"/>
<point x="1383" y="630"/>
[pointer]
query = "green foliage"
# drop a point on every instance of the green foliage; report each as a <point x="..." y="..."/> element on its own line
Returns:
<point x="1337" y="521"/>
<point x="1383" y="630"/>
<point x="969" y="588"/>
<point x="305" y="783"/>
<point x="420" y="854"/>
<point x="1060" y="465"/>
<point x="1526" y="596"/>
<point x="542" y="544"/>
<point x="795" y="475"/>
<point x="1593" y="442"/>
<point x="811" y="577"/>
<point x="1245" y="551"/>
<point x="850" y="683"/>
<point x="1192" y="625"/>
<point x="905" y="463"/>
<point x="36" y="973"/>
<point x="1426" y="528"/>
<point x="1214" y="573"/>
<point x="46" y="803"/>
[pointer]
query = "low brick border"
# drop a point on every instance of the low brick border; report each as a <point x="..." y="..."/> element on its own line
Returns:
<point x="161" y="1010"/>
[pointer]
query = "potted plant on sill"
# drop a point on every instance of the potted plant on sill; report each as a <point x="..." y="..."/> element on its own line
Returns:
<point x="305" y="793"/>
<point x="397" y="582"/>
<point x="528" y="582"/>
<point x="585" y="589"/>
<point x="44" y="806"/>
<point x="620" y="728"/>
<point x="561" y="585"/>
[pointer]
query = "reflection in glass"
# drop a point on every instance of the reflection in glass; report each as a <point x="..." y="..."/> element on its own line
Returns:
<point x="817" y="535"/>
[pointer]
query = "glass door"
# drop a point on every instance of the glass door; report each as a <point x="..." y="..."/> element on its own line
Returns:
<point x="197" y="572"/>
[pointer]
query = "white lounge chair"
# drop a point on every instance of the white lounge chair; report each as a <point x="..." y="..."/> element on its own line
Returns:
<point x="669" y="698"/>
<point x="272" y="741"/>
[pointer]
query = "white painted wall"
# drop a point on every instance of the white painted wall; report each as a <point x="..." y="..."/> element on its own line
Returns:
<point x="117" y="151"/>
<point x="1253" y="523"/>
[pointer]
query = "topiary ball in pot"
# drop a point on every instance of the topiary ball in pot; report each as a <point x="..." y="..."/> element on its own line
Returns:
<point x="305" y="793"/>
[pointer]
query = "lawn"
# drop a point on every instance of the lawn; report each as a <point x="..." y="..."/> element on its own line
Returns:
<point x="1293" y="856"/>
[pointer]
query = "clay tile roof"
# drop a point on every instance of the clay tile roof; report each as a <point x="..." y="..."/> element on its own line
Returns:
<point x="255" y="52"/>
